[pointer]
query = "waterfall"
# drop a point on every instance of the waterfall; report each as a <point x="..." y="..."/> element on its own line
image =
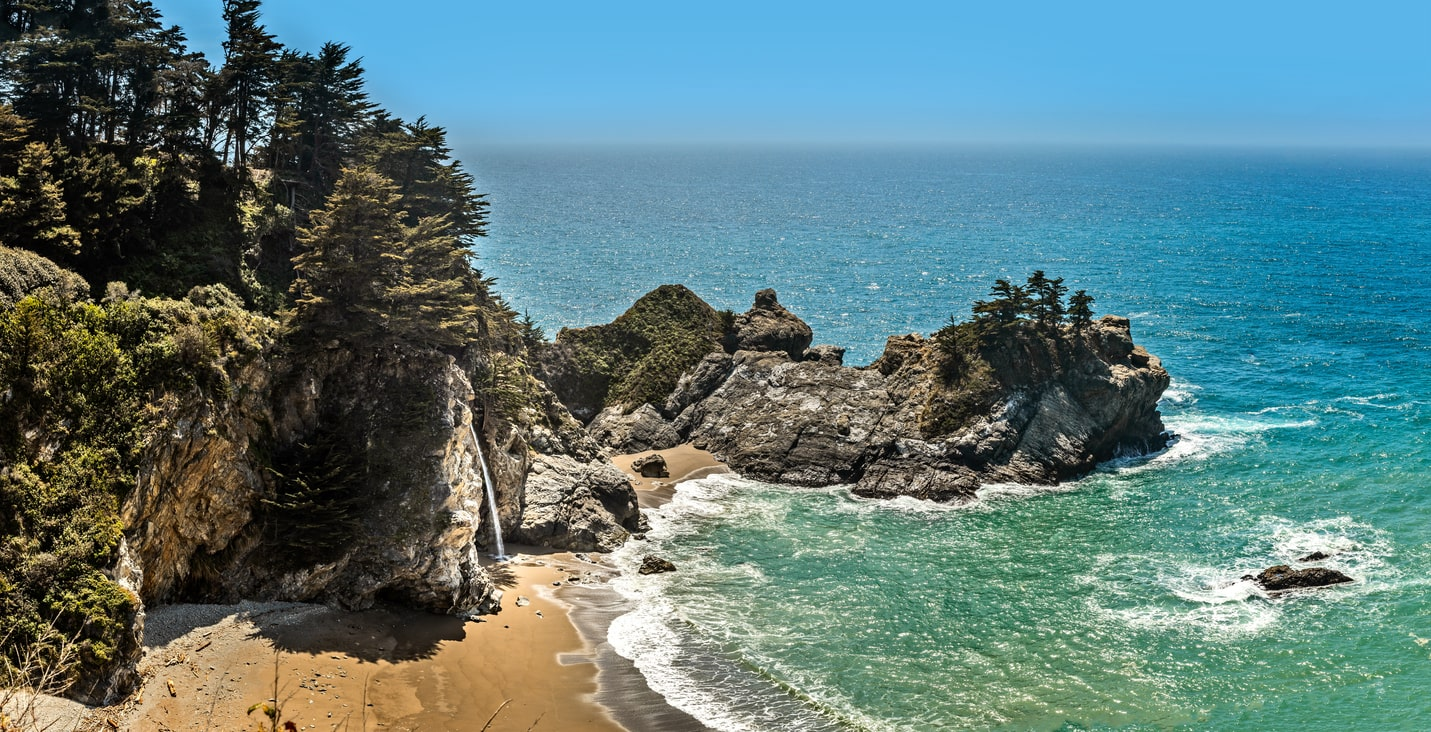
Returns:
<point x="490" y="489"/>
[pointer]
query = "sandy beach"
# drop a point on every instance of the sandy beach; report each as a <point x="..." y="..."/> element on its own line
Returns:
<point x="684" y="462"/>
<point x="535" y="665"/>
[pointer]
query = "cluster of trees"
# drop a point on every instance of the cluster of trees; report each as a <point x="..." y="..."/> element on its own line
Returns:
<point x="263" y="181"/>
<point x="1039" y="302"/>
<point x="124" y="155"/>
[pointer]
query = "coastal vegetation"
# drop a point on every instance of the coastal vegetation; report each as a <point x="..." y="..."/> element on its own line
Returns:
<point x="166" y="221"/>
<point x="1021" y="335"/>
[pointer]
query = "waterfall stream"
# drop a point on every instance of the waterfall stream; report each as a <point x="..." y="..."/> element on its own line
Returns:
<point x="490" y="489"/>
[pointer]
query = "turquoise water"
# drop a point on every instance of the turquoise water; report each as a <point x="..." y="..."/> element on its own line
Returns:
<point x="1289" y="295"/>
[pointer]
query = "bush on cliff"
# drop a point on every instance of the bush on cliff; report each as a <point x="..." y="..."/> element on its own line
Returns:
<point x="82" y="389"/>
<point x="638" y="358"/>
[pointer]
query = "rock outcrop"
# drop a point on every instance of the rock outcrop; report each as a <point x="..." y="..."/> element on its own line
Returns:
<point x="653" y="564"/>
<point x="1283" y="577"/>
<point x="768" y="326"/>
<point x="651" y="466"/>
<point x="211" y="519"/>
<point x="1025" y="406"/>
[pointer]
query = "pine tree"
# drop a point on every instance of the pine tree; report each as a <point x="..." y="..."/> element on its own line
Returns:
<point x="366" y="278"/>
<point x="1080" y="310"/>
<point x="245" y="83"/>
<point x="1046" y="304"/>
<point x="32" y="207"/>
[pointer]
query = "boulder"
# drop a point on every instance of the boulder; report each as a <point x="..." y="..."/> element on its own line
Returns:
<point x="651" y="466"/>
<point x="639" y="431"/>
<point x="1283" y="577"/>
<point x="826" y="354"/>
<point x="1316" y="556"/>
<point x="653" y="564"/>
<point x="768" y="326"/>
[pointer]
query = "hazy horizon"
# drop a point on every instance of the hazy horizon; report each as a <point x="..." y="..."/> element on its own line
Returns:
<point x="1120" y="74"/>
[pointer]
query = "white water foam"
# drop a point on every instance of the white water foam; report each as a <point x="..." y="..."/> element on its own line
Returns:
<point x="1200" y="437"/>
<point x="691" y="672"/>
<point x="1216" y="600"/>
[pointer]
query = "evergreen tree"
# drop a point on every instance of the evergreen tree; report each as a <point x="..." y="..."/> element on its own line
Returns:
<point x="320" y="108"/>
<point x="366" y="278"/>
<point x="1080" y="310"/>
<point x="1046" y="304"/>
<point x="245" y="83"/>
<point x="1009" y="303"/>
<point x="416" y="157"/>
<point x="32" y="209"/>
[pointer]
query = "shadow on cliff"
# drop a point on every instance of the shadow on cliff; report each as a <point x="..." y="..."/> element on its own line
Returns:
<point x="387" y="633"/>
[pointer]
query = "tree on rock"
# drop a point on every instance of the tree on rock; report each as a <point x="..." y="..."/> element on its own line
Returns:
<point x="367" y="279"/>
<point x="1080" y="311"/>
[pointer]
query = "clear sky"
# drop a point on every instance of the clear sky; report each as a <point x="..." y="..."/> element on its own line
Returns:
<point x="1284" y="72"/>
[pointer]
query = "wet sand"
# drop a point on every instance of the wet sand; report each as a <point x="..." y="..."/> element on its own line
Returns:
<point x="684" y="462"/>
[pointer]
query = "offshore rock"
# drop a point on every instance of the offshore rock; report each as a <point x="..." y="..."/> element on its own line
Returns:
<point x="653" y="564"/>
<point x="1283" y="577"/>
<point x="768" y="326"/>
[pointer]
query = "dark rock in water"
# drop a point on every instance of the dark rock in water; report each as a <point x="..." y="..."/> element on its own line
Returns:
<point x="1315" y="557"/>
<point x="653" y="564"/>
<point x="768" y="326"/>
<point x="651" y="466"/>
<point x="1283" y="577"/>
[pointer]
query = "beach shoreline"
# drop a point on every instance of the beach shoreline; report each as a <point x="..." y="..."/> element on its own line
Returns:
<point x="543" y="662"/>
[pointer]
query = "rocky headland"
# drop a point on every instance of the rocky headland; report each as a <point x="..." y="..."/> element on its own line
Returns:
<point x="932" y="418"/>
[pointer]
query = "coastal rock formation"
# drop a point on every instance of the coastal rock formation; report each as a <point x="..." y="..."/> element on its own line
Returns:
<point x="651" y="466"/>
<point x="926" y="419"/>
<point x="213" y="517"/>
<point x="768" y="326"/>
<point x="653" y="564"/>
<point x="639" y="431"/>
<point x="1283" y="577"/>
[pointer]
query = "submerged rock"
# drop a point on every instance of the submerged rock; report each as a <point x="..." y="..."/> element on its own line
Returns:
<point x="1316" y="556"/>
<point x="1283" y="577"/>
<point x="653" y="564"/>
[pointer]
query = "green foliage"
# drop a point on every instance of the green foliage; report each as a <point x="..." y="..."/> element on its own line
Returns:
<point x="312" y="515"/>
<point x="32" y="209"/>
<point x="1016" y="337"/>
<point x="1080" y="311"/>
<point x="638" y="358"/>
<point x="367" y="279"/>
<point x="23" y="273"/>
<point x="81" y="385"/>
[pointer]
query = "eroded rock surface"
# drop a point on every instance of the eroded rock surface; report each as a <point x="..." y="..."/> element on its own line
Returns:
<point x="1033" y="406"/>
<point x="1283" y="577"/>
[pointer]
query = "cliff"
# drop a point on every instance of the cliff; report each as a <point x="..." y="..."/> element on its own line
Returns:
<point x="192" y="451"/>
<point x="927" y="419"/>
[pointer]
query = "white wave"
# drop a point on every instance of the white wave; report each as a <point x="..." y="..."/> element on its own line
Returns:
<point x="1222" y="619"/>
<point x="1199" y="437"/>
<point x="995" y="491"/>
<point x="1353" y="547"/>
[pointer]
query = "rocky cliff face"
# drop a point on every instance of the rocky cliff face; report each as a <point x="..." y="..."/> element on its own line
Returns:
<point x="211" y="518"/>
<point x="1031" y="410"/>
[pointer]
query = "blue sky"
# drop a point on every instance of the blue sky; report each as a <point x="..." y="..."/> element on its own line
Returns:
<point x="1209" y="72"/>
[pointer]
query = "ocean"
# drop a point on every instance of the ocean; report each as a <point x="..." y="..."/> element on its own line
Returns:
<point x="1288" y="293"/>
